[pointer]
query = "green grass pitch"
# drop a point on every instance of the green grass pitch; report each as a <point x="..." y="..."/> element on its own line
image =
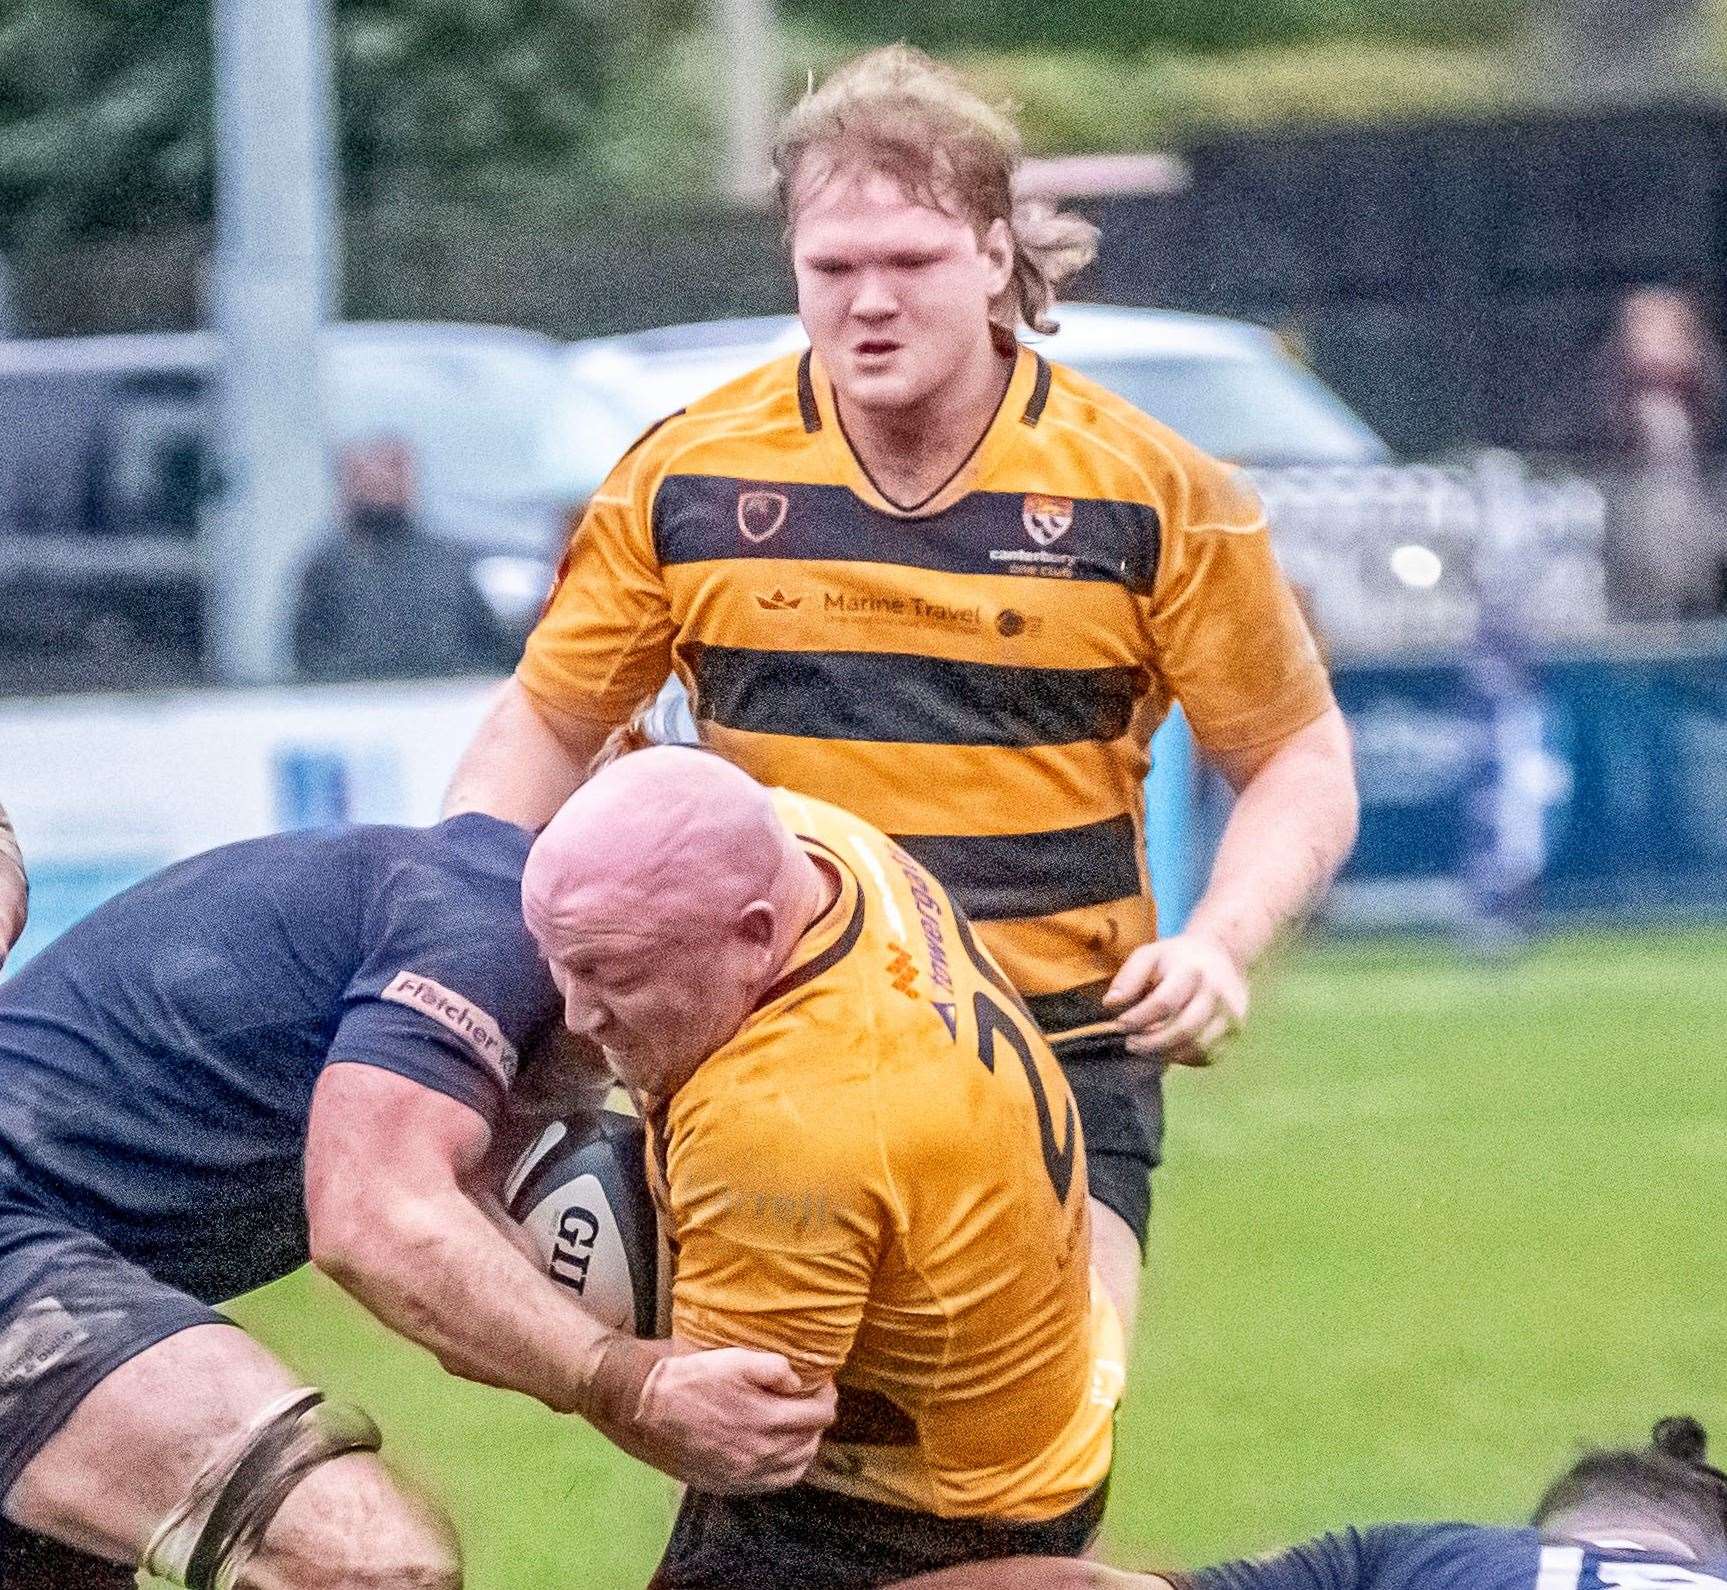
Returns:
<point x="1430" y="1224"/>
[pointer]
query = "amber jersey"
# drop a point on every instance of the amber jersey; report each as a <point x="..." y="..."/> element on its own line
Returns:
<point x="978" y="677"/>
<point x="882" y="1177"/>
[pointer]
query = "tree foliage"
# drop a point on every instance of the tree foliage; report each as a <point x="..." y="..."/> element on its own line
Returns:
<point x="561" y="106"/>
<point x="1130" y="26"/>
<point x="104" y="110"/>
<point x="105" y="105"/>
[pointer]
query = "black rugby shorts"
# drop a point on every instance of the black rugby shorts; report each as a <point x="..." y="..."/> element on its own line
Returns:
<point x="33" y="1562"/>
<point x="805" y="1536"/>
<point x="1119" y="1100"/>
<point x="72" y="1311"/>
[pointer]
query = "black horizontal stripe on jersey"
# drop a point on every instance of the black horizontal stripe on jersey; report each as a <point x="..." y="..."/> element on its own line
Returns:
<point x="998" y="877"/>
<point x="1074" y="1007"/>
<point x="870" y="1418"/>
<point x="696" y="519"/>
<point x="897" y="697"/>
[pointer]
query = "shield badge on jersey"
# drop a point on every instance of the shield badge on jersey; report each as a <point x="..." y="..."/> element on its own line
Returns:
<point x="1047" y="519"/>
<point x="760" y="514"/>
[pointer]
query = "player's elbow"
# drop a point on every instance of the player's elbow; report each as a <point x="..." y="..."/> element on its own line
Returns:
<point x="1345" y="792"/>
<point x="389" y="1255"/>
<point x="364" y="1240"/>
<point x="1346" y="802"/>
<point x="524" y="760"/>
<point x="337" y="1247"/>
<point x="1319" y="766"/>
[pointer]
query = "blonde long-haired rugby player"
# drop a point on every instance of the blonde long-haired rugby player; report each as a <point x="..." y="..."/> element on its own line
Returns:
<point x="867" y="1160"/>
<point x="926" y="574"/>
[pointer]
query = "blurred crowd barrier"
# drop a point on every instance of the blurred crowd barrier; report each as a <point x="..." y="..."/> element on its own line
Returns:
<point x="1514" y="785"/>
<point x="1408" y="557"/>
<point x="1503" y="786"/>
<point x="104" y="790"/>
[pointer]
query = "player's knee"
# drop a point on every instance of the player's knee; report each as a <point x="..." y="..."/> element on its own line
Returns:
<point x="1116" y="1258"/>
<point x="423" y="1555"/>
<point x="414" y="1551"/>
<point x="411" y="1560"/>
<point x="353" y="1524"/>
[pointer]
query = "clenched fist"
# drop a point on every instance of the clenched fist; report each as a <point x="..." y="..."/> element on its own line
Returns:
<point x="728" y="1421"/>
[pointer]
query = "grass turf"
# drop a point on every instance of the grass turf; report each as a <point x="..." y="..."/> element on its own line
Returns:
<point x="1431" y="1224"/>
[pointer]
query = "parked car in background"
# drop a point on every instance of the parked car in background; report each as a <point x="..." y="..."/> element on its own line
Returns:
<point x="1385" y="553"/>
<point x="108" y="472"/>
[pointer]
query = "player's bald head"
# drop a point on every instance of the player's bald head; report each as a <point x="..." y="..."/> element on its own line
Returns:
<point x="666" y="896"/>
<point x="669" y="834"/>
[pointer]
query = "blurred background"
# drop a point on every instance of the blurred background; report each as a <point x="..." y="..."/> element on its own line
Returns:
<point x="321" y="319"/>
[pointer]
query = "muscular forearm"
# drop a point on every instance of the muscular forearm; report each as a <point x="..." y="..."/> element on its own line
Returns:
<point x="1293" y="826"/>
<point x="14" y="889"/>
<point x="524" y="761"/>
<point x="439" y="1272"/>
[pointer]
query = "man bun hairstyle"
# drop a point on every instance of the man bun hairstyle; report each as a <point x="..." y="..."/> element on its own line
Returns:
<point x="896" y="111"/>
<point x="1671" y="1479"/>
<point x="1684" y="1438"/>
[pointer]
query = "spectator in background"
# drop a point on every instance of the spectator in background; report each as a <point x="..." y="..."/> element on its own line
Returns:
<point x="1667" y="534"/>
<point x="382" y="599"/>
<point x="14" y="888"/>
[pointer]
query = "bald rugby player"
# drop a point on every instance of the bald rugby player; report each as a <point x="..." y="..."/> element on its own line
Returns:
<point x="301" y="1046"/>
<point x="924" y="573"/>
<point x="866" y="1158"/>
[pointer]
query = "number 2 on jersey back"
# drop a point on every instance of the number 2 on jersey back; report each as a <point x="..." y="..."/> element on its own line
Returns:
<point x="993" y="1022"/>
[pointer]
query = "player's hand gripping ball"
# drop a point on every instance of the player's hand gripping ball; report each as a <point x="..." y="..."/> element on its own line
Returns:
<point x="581" y="1193"/>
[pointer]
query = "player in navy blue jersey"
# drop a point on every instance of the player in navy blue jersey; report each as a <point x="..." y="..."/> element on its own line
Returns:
<point x="310" y="1045"/>
<point x="14" y="888"/>
<point x="1653" y="1518"/>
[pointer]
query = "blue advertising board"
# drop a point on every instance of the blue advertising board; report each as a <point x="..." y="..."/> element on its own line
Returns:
<point x="1595" y="784"/>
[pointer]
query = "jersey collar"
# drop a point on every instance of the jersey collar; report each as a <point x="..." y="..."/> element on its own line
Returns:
<point x="828" y="939"/>
<point x="1022" y="404"/>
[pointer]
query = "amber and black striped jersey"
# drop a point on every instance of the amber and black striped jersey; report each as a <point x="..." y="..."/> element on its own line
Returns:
<point x="882" y="1176"/>
<point x="979" y="678"/>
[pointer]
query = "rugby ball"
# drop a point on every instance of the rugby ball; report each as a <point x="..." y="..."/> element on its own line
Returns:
<point x="581" y="1194"/>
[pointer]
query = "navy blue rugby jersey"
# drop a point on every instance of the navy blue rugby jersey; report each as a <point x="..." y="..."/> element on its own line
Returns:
<point x="157" y="1060"/>
<point x="1455" y="1557"/>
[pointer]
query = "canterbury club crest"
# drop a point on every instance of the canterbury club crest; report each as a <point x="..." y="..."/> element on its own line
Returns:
<point x="1047" y="519"/>
<point x="760" y="514"/>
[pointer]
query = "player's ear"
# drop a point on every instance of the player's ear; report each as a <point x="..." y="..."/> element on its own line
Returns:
<point x="758" y="923"/>
<point x="996" y="245"/>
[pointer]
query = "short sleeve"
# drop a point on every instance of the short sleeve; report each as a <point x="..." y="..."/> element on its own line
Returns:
<point x="1230" y="638"/>
<point x="603" y="643"/>
<point x="14" y="887"/>
<point x="779" y="1231"/>
<point x="452" y="988"/>
<point x="1342" y="1561"/>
